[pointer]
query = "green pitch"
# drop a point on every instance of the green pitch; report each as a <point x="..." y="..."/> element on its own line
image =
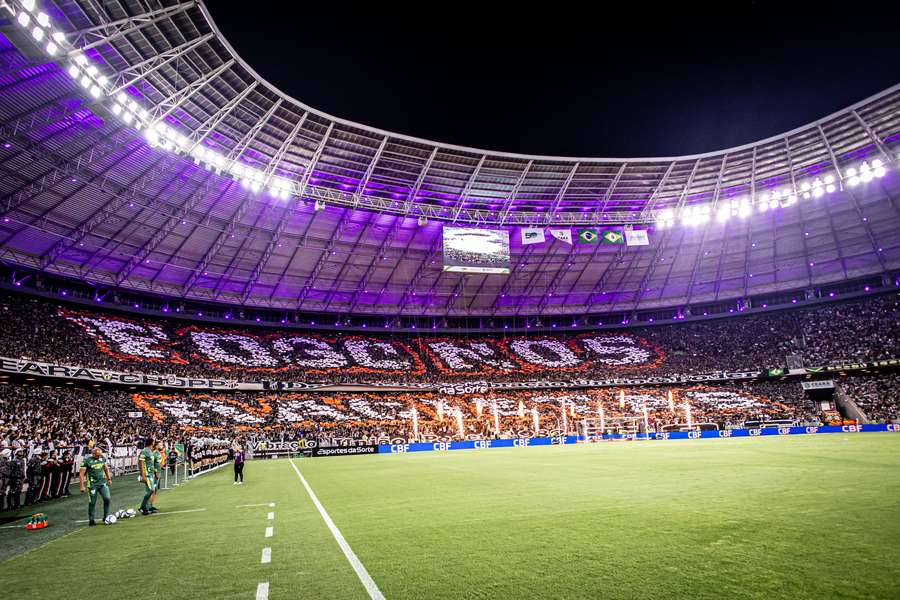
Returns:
<point x="792" y="517"/>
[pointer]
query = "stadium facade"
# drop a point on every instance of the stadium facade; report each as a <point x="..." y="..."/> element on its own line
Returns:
<point x="141" y="154"/>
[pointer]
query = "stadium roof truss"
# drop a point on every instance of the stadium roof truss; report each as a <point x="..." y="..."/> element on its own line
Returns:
<point x="140" y="151"/>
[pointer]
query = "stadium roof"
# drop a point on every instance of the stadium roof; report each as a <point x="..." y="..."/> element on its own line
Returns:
<point x="140" y="151"/>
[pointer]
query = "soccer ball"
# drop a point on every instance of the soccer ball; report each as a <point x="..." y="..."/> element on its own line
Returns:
<point x="130" y="513"/>
<point x="110" y="519"/>
<point x="120" y="514"/>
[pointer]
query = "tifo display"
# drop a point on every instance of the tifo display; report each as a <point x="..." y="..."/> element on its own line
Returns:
<point x="831" y="334"/>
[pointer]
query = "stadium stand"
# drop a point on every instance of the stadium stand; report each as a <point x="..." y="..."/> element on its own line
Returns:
<point x="861" y="330"/>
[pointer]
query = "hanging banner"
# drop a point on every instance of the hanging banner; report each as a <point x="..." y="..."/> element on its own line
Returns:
<point x="563" y="235"/>
<point x="533" y="235"/>
<point x="637" y="237"/>
<point x="614" y="237"/>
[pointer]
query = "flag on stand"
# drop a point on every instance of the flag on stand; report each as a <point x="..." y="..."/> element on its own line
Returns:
<point x="563" y="235"/>
<point x="533" y="235"/>
<point x="636" y="237"/>
<point x="612" y="236"/>
<point x="588" y="236"/>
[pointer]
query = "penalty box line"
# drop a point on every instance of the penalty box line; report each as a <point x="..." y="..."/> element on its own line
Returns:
<point x="364" y="577"/>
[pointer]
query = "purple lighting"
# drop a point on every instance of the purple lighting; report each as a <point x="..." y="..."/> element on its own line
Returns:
<point x="866" y="288"/>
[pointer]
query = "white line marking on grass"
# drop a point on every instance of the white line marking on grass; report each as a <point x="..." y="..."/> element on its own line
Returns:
<point x="171" y="512"/>
<point x="271" y="505"/>
<point x="262" y="591"/>
<point x="271" y="516"/>
<point x="252" y="505"/>
<point x="270" y="531"/>
<point x="364" y="577"/>
<point x="266" y="556"/>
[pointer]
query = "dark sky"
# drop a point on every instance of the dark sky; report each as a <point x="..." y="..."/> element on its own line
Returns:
<point x="555" y="78"/>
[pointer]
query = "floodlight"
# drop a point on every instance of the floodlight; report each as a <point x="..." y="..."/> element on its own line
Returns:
<point x="830" y="188"/>
<point x="43" y="18"/>
<point x="80" y="59"/>
<point x="879" y="172"/>
<point x="28" y="5"/>
<point x="51" y="48"/>
<point x="95" y="91"/>
<point x="773" y="203"/>
<point x="73" y="71"/>
<point x="37" y="33"/>
<point x="23" y="19"/>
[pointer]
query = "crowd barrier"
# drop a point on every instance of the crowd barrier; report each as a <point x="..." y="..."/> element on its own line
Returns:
<point x="672" y="435"/>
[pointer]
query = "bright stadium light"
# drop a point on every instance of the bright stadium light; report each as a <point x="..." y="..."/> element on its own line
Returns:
<point x="43" y="18"/>
<point x="23" y="19"/>
<point x="28" y="5"/>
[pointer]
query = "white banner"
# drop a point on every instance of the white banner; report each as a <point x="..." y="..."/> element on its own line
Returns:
<point x="636" y="237"/>
<point x="563" y="235"/>
<point x="533" y="235"/>
<point x="826" y="384"/>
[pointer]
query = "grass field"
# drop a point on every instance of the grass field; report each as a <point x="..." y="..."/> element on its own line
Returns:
<point x="789" y="517"/>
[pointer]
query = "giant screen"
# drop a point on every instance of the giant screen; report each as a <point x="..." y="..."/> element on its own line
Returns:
<point x="469" y="250"/>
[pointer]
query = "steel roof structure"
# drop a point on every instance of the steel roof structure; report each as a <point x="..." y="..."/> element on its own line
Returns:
<point x="139" y="151"/>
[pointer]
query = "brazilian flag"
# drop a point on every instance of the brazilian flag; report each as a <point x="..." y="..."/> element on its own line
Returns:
<point x="613" y="236"/>
<point x="776" y="372"/>
<point x="815" y="369"/>
<point x="588" y="236"/>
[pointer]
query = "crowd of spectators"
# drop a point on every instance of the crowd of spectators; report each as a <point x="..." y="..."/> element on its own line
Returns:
<point x="877" y="395"/>
<point x="39" y="419"/>
<point x="833" y="333"/>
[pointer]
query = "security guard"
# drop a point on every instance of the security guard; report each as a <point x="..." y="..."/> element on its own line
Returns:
<point x="15" y="475"/>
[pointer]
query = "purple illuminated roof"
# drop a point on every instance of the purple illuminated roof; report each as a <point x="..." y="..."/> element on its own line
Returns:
<point x="86" y="196"/>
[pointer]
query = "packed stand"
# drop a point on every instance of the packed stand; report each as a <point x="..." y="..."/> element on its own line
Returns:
<point x="878" y="395"/>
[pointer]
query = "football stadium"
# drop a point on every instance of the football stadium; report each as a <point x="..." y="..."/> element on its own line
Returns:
<point x="252" y="350"/>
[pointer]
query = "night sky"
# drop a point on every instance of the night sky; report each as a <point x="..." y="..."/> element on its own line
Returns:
<point x="642" y="81"/>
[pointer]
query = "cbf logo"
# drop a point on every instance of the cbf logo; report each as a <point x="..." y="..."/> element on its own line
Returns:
<point x="662" y="436"/>
<point x="812" y="430"/>
<point x="784" y="431"/>
<point x="851" y="428"/>
<point x="754" y="432"/>
<point x="693" y="435"/>
<point x="725" y="433"/>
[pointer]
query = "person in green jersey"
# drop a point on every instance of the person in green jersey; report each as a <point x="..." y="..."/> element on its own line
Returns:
<point x="95" y="470"/>
<point x="157" y="468"/>
<point x="145" y="463"/>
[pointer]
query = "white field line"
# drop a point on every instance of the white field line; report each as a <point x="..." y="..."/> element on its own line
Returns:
<point x="364" y="577"/>
<point x="271" y="516"/>
<point x="253" y="505"/>
<point x="271" y="505"/>
<point x="262" y="591"/>
<point x="266" y="556"/>
<point x="270" y="531"/>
